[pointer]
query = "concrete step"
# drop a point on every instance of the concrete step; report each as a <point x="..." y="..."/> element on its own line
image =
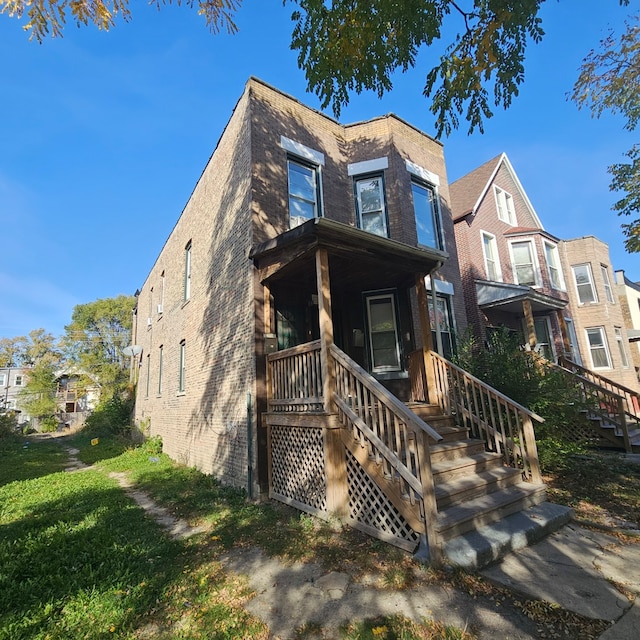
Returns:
<point x="447" y="470"/>
<point x="453" y="450"/>
<point x="459" y="490"/>
<point x="483" y="510"/>
<point x="476" y="549"/>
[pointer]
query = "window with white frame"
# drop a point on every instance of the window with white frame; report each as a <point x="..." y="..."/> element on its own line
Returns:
<point x="182" y="367"/>
<point x="573" y="341"/>
<point x="425" y="207"/>
<point x="304" y="191"/>
<point x="160" y="358"/>
<point x="524" y="263"/>
<point x="18" y="381"/>
<point x="600" y="356"/>
<point x="443" y="321"/>
<point x="608" y="292"/>
<point x="370" y="204"/>
<point x="584" y="283"/>
<point x="623" y="351"/>
<point x="3" y="379"/>
<point x="491" y="261"/>
<point x="162" y="285"/>
<point x="553" y="266"/>
<point x="384" y="345"/>
<point x="187" y="271"/>
<point x="504" y="203"/>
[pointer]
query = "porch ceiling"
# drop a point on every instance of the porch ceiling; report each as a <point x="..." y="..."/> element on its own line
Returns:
<point x="357" y="260"/>
<point x="509" y="297"/>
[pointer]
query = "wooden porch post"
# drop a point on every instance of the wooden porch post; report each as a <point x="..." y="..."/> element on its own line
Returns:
<point x="566" y="344"/>
<point x="531" y="327"/>
<point x="334" y="449"/>
<point x="425" y="332"/>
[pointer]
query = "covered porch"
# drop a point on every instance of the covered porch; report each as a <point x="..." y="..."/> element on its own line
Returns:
<point x="537" y="316"/>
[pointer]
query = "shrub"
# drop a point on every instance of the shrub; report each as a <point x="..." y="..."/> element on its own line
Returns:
<point x="112" y="417"/>
<point x="8" y="424"/>
<point x="48" y="424"/>
<point x="526" y="378"/>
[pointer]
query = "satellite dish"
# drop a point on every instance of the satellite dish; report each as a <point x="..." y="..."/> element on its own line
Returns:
<point x="132" y="350"/>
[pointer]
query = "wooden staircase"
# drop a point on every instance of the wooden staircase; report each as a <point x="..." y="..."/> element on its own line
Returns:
<point x="473" y="487"/>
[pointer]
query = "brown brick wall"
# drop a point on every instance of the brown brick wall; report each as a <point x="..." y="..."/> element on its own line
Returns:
<point x="206" y="426"/>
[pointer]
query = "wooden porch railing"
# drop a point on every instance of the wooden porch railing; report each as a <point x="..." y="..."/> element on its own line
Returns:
<point x="613" y="403"/>
<point x="505" y="426"/>
<point x="294" y="379"/>
<point x="388" y="440"/>
<point x="392" y="437"/>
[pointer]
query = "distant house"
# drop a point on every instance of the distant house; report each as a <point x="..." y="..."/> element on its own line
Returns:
<point x="75" y="399"/>
<point x="12" y="382"/>
<point x="510" y="266"/>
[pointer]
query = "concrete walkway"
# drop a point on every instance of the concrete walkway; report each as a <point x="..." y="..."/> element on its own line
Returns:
<point x="589" y="573"/>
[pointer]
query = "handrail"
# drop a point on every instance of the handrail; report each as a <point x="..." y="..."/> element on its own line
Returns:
<point x="393" y="436"/>
<point x="632" y="408"/>
<point x="610" y="407"/>
<point x="383" y="395"/>
<point x="505" y="425"/>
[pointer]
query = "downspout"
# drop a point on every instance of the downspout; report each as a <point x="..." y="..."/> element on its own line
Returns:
<point x="249" y="447"/>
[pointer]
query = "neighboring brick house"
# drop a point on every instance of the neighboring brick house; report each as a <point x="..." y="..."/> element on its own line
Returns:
<point x="629" y="297"/>
<point x="599" y="321"/>
<point x="291" y="198"/>
<point x="510" y="266"/>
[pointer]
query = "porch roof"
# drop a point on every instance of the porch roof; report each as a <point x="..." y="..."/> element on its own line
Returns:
<point x="355" y="255"/>
<point x="509" y="297"/>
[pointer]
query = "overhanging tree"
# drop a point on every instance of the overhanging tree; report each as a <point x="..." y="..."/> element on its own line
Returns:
<point x="94" y="341"/>
<point x="610" y="81"/>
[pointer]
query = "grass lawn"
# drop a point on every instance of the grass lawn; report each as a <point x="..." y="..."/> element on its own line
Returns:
<point x="78" y="559"/>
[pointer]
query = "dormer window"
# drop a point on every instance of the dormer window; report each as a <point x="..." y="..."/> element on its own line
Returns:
<point x="506" y="209"/>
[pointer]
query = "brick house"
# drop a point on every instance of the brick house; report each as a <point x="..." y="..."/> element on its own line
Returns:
<point x="293" y="327"/>
<point x="510" y="266"/>
<point x="629" y="297"/>
<point x="598" y="313"/>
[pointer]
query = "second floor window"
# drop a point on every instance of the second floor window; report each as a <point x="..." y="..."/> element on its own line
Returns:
<point x="608" y="292"/>
<point x="3" y="379"/>
<point x="584" y="283"/>
<point x="370" y="205"/>
<point x="18" y="380"/>
<point x="427" y="217"/>
<point x="304" y="192"/>
<point x="187" y="271"/>
<point x="524" y="267"/>
<point x="504" y="203"/>
<point x="553" y="266"/>
<point x="491" y="262"/>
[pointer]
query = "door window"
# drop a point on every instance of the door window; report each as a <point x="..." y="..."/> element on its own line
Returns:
<point x="383" y="333"/>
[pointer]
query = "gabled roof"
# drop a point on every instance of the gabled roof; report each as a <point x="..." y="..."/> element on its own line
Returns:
<point x="468" y="192"/>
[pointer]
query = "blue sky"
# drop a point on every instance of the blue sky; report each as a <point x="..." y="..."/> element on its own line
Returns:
<point x="103" y="136"/>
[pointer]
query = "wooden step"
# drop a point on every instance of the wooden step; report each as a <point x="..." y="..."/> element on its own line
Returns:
<point x="462" y="467"/>
<point x="462" y="489"/>
<point x="485" y="509"/>
<point x="451" y="434"/>
<point x="455" y="449"/>
<point x="425" y="410"/>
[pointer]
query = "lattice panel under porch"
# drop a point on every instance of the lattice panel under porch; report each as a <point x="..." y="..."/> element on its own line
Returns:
<point x="369" y="506"/>
<point x="298" y="465"/>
